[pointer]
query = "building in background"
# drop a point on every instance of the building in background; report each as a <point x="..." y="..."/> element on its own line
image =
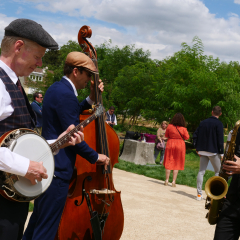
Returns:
<point x="36" y="75"/>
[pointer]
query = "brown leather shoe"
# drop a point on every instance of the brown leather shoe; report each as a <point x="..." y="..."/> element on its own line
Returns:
<point x="173" y="184"/>
<point x="166" y="183"/>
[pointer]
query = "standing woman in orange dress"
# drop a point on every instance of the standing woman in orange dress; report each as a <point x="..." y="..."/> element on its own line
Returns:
<point x="174" y="157"/>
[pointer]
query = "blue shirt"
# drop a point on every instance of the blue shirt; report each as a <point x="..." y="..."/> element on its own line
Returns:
<point x="37" y="108"/>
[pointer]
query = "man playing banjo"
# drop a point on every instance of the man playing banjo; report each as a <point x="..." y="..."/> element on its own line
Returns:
<point x="23" y="47"/>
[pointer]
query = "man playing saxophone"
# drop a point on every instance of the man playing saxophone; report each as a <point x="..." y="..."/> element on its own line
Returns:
<point x="228" y="224"/>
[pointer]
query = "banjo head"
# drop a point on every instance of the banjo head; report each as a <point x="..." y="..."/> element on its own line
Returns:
<point x="35" y="148"/>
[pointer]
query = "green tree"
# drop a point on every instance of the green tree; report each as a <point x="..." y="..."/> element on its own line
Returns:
<point x="133" y="88"/>
<point x="188" y="82"/>
<point x="54" y="61"/>
<point x="111" y="60"/>
<point x="192" y="83"/>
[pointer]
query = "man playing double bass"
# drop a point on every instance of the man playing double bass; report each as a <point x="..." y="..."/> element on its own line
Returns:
<point x="60" y="108"/>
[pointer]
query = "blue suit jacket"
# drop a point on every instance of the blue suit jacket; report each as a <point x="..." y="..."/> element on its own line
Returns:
<point x="38" y="110"/>
<point x="209" y="136"/>
<point x="61" y="108"/>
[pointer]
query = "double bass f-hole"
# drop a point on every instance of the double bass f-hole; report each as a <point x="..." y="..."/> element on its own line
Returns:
<point x="89" y="178"/>
<point x="97" y="220"/>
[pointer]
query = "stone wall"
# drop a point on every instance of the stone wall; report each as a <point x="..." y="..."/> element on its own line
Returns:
<point x="138" y="152"/>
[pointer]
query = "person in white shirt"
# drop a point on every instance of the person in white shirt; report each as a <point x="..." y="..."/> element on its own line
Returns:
<point x="111" y="117"/>
<point x="22" y="49"/>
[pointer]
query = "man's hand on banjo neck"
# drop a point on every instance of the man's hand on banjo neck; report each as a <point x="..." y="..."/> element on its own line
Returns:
<point x="36" y="171"/>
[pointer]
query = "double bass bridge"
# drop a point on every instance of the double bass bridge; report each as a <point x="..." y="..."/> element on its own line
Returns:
<point x="102" y="191"/>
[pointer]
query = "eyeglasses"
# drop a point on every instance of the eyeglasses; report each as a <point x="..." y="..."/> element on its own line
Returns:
<point x="80" y="69"/>
<point x="89" y="74"/>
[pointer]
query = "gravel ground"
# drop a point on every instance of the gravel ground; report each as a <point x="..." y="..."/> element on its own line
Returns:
<point x="153" y="211"/>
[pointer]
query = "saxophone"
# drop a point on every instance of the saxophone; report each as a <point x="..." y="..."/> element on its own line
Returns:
<point x="216" y="187"/>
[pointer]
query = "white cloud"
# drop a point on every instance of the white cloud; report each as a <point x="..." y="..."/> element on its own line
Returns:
<point x="158" y="25"/>
<point x="4" y="21"/>
<point x="237" y="1"/>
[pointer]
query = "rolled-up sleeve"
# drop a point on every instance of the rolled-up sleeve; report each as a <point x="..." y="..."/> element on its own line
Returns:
<point x="13" y="163"/>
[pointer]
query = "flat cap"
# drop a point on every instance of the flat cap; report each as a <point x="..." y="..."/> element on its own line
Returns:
<point x="78" y="59"/>
<point x="31" y="30"/>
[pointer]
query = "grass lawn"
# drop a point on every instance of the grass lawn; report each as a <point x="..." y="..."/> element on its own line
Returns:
<point x="186" y="177"/>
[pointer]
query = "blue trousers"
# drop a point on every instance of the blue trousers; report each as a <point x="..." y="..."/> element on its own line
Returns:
<point x="47" y="212"/>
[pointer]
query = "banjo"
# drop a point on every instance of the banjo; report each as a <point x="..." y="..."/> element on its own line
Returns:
<point x="28" y="143"/>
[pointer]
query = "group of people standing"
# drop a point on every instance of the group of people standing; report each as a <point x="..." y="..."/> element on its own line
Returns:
<point x="207" y="139"/>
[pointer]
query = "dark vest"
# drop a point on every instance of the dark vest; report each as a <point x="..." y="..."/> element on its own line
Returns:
<point x="110" y="118"/>
<point x="22" y="114"/>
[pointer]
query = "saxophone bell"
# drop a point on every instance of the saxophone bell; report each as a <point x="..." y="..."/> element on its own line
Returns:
<point x="216" y="188"/>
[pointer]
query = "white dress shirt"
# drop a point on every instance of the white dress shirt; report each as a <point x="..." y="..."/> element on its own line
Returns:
<point x="9" y="161"/>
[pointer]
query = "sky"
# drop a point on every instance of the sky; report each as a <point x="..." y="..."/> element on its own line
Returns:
<point x="159" y="26"/>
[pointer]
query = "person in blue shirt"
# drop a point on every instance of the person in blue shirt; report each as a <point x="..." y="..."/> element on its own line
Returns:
<point x="37" y="108"/>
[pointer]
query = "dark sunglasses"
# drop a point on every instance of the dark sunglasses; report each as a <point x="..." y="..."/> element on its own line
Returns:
<point x="89" y="74"/>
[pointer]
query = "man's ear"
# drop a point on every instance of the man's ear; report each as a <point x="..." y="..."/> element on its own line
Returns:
<point x="18" y="46"/>
<point x="75" y="72"/>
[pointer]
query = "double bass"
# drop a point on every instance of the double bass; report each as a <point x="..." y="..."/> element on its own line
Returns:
<point x="93" y="209"/>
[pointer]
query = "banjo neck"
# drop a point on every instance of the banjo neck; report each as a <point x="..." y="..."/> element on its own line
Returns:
<point x="17" y="188"/>
<point x="64" y="139"/>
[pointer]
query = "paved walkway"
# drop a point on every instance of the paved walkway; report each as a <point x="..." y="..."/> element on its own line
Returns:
<point x="153" y="211"/>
